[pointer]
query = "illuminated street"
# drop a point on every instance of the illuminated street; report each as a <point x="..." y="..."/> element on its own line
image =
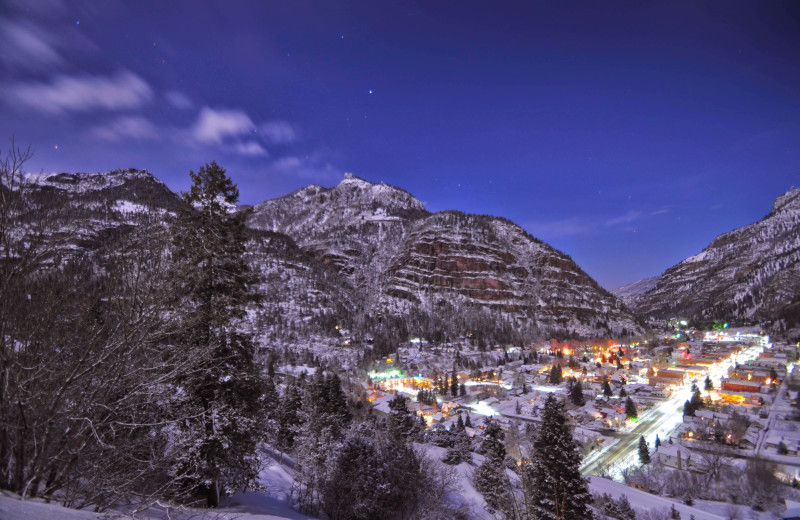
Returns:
<point x="661" y="420"/>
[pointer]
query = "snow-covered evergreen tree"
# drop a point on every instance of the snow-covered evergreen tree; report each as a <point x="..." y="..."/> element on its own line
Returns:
<point x="552" y="481"/>
<point x="490" y="478"/>
<point x="607" y="388"/>
<point x="324" y="418"/>
<point x="218" y="448"/>
<point x="630" y="409"/>
<point x="555" y="375"/>
<point x="576" y="392"/>
<point x="401" y="422"/>
<point x="644" y="451"/>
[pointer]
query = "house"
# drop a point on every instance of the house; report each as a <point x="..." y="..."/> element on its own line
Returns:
<point x="677" y="457"/>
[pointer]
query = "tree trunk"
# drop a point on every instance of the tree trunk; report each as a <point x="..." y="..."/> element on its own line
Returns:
<point x="212" y="494"/>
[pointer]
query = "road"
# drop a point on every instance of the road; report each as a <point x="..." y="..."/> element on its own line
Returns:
<point x="661" y="420"/>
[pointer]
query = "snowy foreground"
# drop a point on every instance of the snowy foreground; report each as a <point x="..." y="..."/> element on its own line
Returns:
<point x="273" y="504"/>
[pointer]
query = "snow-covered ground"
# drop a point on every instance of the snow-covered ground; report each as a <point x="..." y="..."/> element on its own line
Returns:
<point x="271" y="504"/>
<point x="642" y="501"/>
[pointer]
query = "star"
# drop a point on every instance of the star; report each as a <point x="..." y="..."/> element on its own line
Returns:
<point x="56" y="147"/>
<point x="370" y="91"/>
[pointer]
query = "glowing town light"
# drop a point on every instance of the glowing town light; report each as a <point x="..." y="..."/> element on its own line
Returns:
<point x="483" y="409"/>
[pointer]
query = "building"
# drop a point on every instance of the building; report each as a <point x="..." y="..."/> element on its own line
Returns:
<point x="677" y="457"/>
<point x="740" y="385"/>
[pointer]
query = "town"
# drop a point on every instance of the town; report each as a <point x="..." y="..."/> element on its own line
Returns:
<point x="700" y="401"/>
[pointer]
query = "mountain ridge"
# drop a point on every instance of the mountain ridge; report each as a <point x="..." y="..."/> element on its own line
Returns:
<point x="748" y="274"/>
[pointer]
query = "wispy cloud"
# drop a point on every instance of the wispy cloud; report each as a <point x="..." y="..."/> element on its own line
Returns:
<point x="631" y="216"/>
<point x="313" y="167"/>
<point x="214" y="126"/>
<point x="251" y="148"/>
<point x="27" y="47"/>
<point x="278" y="132"/>
<point x="179" y="100"/>
<point x="128" y="127"/>
<point x="122" y="91"/>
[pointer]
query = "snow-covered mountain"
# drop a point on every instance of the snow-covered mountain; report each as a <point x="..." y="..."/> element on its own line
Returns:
<point x="358" y="251"/>
<point x="748" y="274"/>
<point x="399" y="257"/>
<point x="631" y="292"/>
<point x="89" y="213"/>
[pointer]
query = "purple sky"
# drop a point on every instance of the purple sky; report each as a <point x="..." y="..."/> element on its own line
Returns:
<point x="627" y="134"/>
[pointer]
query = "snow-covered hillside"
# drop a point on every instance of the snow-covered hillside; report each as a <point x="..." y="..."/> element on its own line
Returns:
<point x="630" y="293"/>
<point x="399" y="257"/>
<point x="748" y="274"/>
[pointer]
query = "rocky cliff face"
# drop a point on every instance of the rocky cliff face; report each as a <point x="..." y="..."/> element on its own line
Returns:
<point x="400" y="257"/>
<point x="364" y="252"/>
<point x="477" y="260"/>
<point x="751" y="274"/>
<point x="90" y="214"/>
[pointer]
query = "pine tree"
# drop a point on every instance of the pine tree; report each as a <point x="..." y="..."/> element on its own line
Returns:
<point x="709" y="385"/>
<point x="552" y="480"/>
<point x="401" y="422"/>
<point x="324" y="419"/>
<point x="624" y="509"/>
<point x="658" y="442"/>
<point x="630" y="409"/>
<point x="490" y="478"/>
<point x="454" y="383"/>
<point x="555" y="375"/>
<point x="576" y="392"/>
<point x="217" y="284"/>
<point x="697" y="400"/>
<point x="622" y="392"/>
<point x="607" y="388"/>
<point x="644" y="451"/>
<point x="462" y="390"/>
<point x="688" y="409"/>
<point x="468" y="422"/>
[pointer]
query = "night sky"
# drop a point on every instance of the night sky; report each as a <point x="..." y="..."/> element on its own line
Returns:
<point x="626" y="134"/>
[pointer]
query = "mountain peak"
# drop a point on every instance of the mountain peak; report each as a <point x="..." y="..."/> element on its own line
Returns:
<point x="789" y="199"/>
<point x="88" y="182"/>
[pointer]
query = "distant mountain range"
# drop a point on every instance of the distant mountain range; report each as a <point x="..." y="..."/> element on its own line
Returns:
<point x="748" y="275"/>
<point x="362" y="253"/>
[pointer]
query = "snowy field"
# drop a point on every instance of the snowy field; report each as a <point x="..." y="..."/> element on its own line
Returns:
<point x="702" y="509"/>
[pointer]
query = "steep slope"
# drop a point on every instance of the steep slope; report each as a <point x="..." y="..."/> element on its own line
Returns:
<point x="750" y="274"/>
<point x="78" y="212"/>
<point x="477" y="260"/>
<point x="630" y="293"/>
<point x="402" y="259"/>
<point x="91" y="213"/>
